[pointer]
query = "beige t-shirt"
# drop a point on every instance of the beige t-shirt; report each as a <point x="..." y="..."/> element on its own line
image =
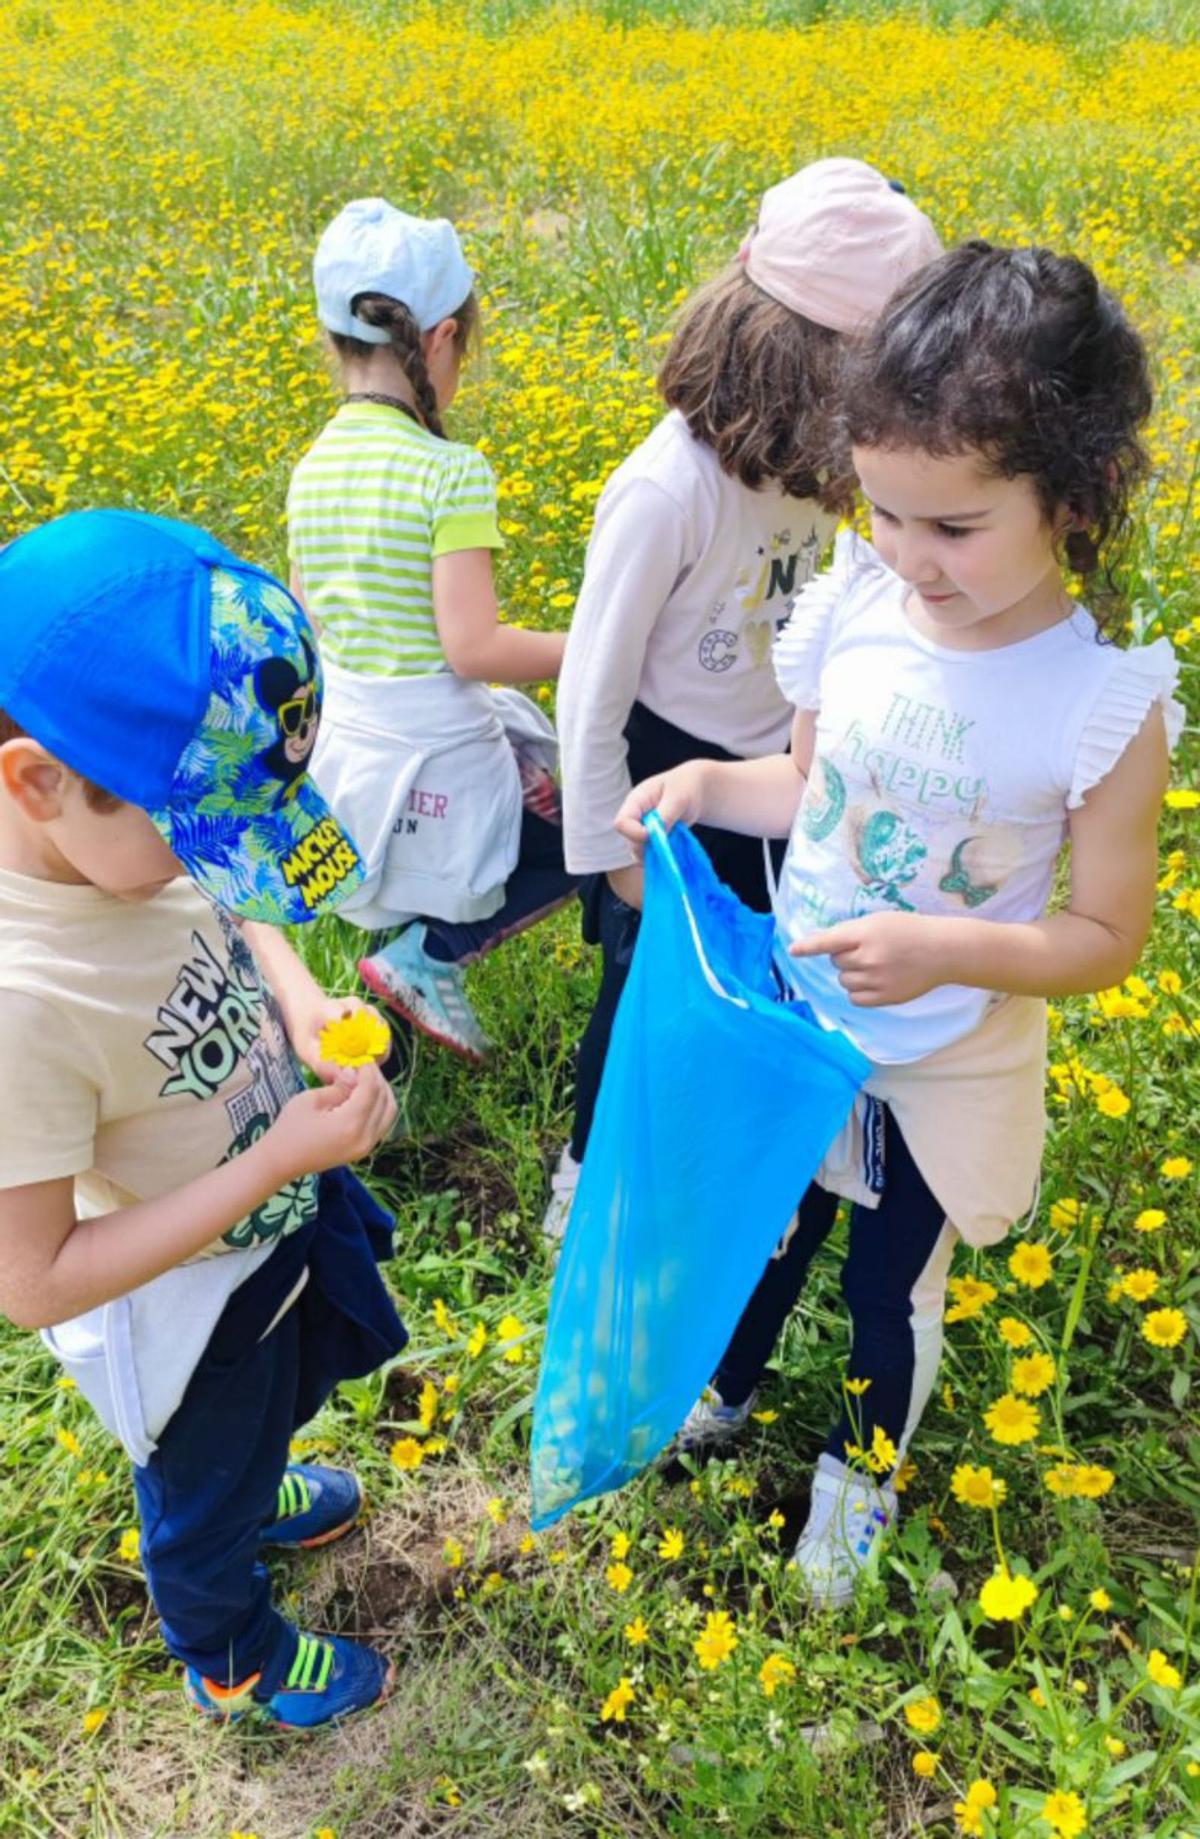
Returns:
<point x="139" y="1048"/>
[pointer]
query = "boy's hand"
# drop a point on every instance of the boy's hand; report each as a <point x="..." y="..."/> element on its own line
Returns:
<point x="306" y="1026"/>
<point x="678" y="796"/>
<point x="335" y="1123"/>
<point x="882" y="958"/>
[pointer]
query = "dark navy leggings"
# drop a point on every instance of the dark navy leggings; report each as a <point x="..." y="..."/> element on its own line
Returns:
<point x="893" y="1280"/>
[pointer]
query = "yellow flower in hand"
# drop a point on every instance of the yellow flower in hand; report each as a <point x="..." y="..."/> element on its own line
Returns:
<point x="357" y="1039"/>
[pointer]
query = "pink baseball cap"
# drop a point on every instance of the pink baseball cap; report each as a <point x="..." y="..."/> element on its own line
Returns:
<point x="835" y="241"/>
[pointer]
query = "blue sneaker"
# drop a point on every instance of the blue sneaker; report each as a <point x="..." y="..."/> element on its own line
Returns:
<point x="315" y="1506"/>
<point x="330" y="1679"/>
<point x="429" y="994"/>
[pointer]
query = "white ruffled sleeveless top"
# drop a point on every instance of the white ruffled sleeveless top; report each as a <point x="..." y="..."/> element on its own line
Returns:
<point x="942" y="779"/>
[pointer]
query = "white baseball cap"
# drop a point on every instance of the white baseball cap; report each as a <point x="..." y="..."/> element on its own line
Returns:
<point x="372" y="248"/>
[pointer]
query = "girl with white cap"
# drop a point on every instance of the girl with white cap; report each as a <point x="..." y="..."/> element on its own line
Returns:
<point x="702" y="538"/>
<point x="445" y="785"/>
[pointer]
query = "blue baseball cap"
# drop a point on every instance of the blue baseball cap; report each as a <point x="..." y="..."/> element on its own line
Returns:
<point x="146" y="657"/>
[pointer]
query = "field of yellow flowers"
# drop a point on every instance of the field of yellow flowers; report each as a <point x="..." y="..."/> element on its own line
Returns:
<point x="1025" y="1662"/>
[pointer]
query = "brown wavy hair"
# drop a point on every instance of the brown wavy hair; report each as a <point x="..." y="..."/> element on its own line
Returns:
<point x="405" y="336"/>
<point x="758" y="383"/>
<point x="97" y="798"/>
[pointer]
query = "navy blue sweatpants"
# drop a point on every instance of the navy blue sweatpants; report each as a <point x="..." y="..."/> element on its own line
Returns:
<point x="210" y="1488"/>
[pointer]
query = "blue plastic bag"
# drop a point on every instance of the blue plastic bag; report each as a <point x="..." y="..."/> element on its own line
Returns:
<point x="717" y="1105"/>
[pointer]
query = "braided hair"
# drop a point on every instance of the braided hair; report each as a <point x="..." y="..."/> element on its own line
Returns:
<point x="404" y="335"/>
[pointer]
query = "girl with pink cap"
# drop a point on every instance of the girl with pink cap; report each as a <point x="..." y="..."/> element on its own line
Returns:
<point x="702" y="538"/>
<point x="956" y="721"/>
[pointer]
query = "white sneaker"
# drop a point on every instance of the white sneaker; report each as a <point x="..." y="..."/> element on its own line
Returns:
<point x="429" y="994"/>
<point x="848" y="1515"/>
<point x="711" y="1421"/>
<point x="563" y="1184"/>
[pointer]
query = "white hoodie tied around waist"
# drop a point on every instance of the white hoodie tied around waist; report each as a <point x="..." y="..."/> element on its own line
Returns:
<point x="423" y="772"/>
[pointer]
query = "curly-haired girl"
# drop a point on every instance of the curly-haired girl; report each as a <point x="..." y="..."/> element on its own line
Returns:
<point x="958" y="719"/>
<point x="702" y="537"/>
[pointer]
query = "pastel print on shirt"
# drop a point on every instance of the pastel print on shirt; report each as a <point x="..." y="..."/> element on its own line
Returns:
<point x="763" y="593"/>
<point x="908" y="808"/>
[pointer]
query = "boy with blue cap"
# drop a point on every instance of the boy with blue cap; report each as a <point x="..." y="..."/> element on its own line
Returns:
<point x="175" y="1215"/>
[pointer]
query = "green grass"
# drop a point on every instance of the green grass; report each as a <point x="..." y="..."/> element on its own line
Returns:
<point x="163" y="171"/>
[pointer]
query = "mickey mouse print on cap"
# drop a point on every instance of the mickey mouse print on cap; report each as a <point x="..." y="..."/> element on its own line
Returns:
<point x="147" y="657"/>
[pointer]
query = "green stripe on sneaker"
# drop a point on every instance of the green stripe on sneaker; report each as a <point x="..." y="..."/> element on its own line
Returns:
<point x="302" y="1667"/>
<point x="322" y="1679"/>
<point x="294" y="1495"/>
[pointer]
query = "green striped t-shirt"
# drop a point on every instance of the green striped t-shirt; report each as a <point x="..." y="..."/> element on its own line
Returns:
<point x="373" y="501"/>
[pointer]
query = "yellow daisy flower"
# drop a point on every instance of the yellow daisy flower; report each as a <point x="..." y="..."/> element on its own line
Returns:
<point x="1013" y="1420"/>
<point x="923" y="1716"/>
<point x="717" y="1640"/>
<point x="618" y="1702"/>
<point x="776" y="1670"/>
<point x="977" y="1487"/>
<point x="1031" y="1264"/>
<point x="1164" y="1327"/>
<point x="1005" y="1598"/>
<point x="1033" y="1374"/>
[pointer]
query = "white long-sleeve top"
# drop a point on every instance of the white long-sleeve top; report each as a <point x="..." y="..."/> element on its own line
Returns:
<point x="689" y="576"/>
